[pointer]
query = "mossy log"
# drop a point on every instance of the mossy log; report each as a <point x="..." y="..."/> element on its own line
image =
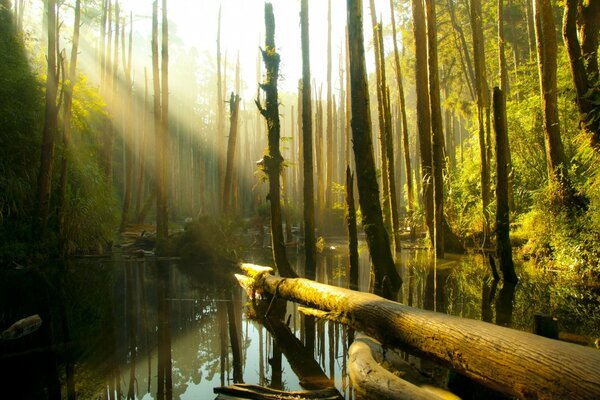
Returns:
<point x="517" y="363"/>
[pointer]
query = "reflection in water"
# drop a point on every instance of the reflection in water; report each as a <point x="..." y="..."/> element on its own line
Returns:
<point x="137" y="329"/>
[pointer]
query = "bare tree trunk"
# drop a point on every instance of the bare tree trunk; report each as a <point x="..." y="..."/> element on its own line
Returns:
<point x="142" y="155"/>
<point x="437" y="129"/>
<point x="234" y="105"/>
<point x="220" y="113"/>
<point x="584" y="75"/>
<point x="545" y="33"/>
<point x="387" y="281"/>
<point x="352" y="230"/>
<point x="379" y="77"/>
<point x="329" y="138"/>
<point x="530" y="30"/>
<point x="272" y="160"/>
<point x="504" y="88"/>
<point x="128" y="135"/>
<point x="310" y="249"/>
<point x="162" y="216"/>
<point x="405" y="142"/>
<point x="44" y="180"/>
<point x="482" y="105"/>
<point x="423" y="112"/>
<point x="503" y="247"/>
<point x="67" y="114"/>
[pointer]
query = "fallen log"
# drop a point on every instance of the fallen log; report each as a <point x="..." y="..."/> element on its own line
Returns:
<point x="372" y="381"/>
<point x="22" y="328"/>
<point x="256" y="392"/>
<point x="517" y="363"/>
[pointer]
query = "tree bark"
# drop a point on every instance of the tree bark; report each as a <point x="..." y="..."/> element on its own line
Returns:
<point x="272" y="160"/>
<point x="44" y="180"/>
<point x="584" y="77"/>
<point x="220" y="112"/>
<point x="352" y="231"/>
<point x="503" y="247"/>
<point x="516" y="363"/>
<point x="482" y="106"/>
<point x="387" y="280"/>
<point x="310" y="249"/>
<point x="162" y="216"/>
<point x="67" y="114"/>
<point x="423" y="112"/>
<point x="128" y="134"/>
<point x="437" y="128"/>
<point x="379" y="71"/>
<point x="405" y="143"/>
<point x="234" y="106"/>
<point x="329" y="138"/>
<point x="556" y="160"/>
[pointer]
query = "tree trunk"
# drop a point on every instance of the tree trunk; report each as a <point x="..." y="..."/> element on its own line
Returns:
<point x="387" y="280"/>
<point x="579" y="53"/>
<point x="128" y="135"/>
<point x="530" y="30"/>
<point x="162" y="216"/>
<point x="352" y="231"/>
<point x="504" y="87"/>
<point x="545" y="33"/>
<point x="463" y="49"/>
<point x="44" y="180"/>
<point x="482" y="106"/>
<point x="330" y="153"/>
<point x="220" y="113"/>
<point x="272" y="160"/>
<point x="405" y="142"/>
<point x="516" y="363"/>
<point x="423" y="112"/>
<point x="142" y="155"/>
<point x="234" y="105"/>
<point x="503" y="247"/>
<point x="67" y="114"/>
<point x="379" y="77"/>
<point x="437" y="129"/>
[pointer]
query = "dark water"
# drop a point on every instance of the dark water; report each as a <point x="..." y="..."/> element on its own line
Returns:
<point x="109" y="325"/>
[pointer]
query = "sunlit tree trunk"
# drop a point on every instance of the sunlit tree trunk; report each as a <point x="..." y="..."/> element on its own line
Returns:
<point x="329" y="138"/>
<point x="220" y="112"/>
<point x="437" y="129"/>
<point x="387" y="281"/>
<point x="405" y="141"/>
<point x="530" y="30"/>
<point x="392" y="200"/>
<point x="234" y="105"/>
<point x="44" y="180"/>
<point x="142" y="154"/>
<point x="582" y="49"/>
<point x="68" y="85"/>
<point x="423" y="112"/>
<point x="272" y="161"/>
<point x="307" y="149"/>
<point x="545" y="32"/>
<point x="482" y="105"/>
<point x="385" y="193"/>
<point x="463" y="49"/>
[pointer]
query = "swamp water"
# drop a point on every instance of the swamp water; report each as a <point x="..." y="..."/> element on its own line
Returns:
<point x="108" y="325"/>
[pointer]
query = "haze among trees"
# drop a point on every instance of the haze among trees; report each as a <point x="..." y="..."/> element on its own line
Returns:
<point x="111" y="119"/>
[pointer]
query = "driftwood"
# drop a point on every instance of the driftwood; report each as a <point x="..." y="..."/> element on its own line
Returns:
<point x="256" y="392"/>
<point x="513" y="362"/>
<point x="22" y="328"/>
<point x="371" y="380"/>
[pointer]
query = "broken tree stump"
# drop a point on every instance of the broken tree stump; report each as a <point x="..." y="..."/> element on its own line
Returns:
<point x="517" y="363"/>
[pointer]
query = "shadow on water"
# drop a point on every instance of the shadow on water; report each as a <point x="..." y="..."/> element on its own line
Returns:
<point x="144" y="329"/>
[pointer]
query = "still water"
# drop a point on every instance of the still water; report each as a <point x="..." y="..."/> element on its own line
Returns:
<point x="109" y="325"/>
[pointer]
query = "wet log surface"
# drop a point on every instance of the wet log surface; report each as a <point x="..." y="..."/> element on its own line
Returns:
<point x="513" y="362"/>
<point x="245" y="391"/>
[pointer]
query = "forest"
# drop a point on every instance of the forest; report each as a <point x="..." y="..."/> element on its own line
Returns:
<point x="299" y="199"/>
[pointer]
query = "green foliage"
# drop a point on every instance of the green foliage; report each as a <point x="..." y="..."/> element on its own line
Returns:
<point x="21" y="114"/>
